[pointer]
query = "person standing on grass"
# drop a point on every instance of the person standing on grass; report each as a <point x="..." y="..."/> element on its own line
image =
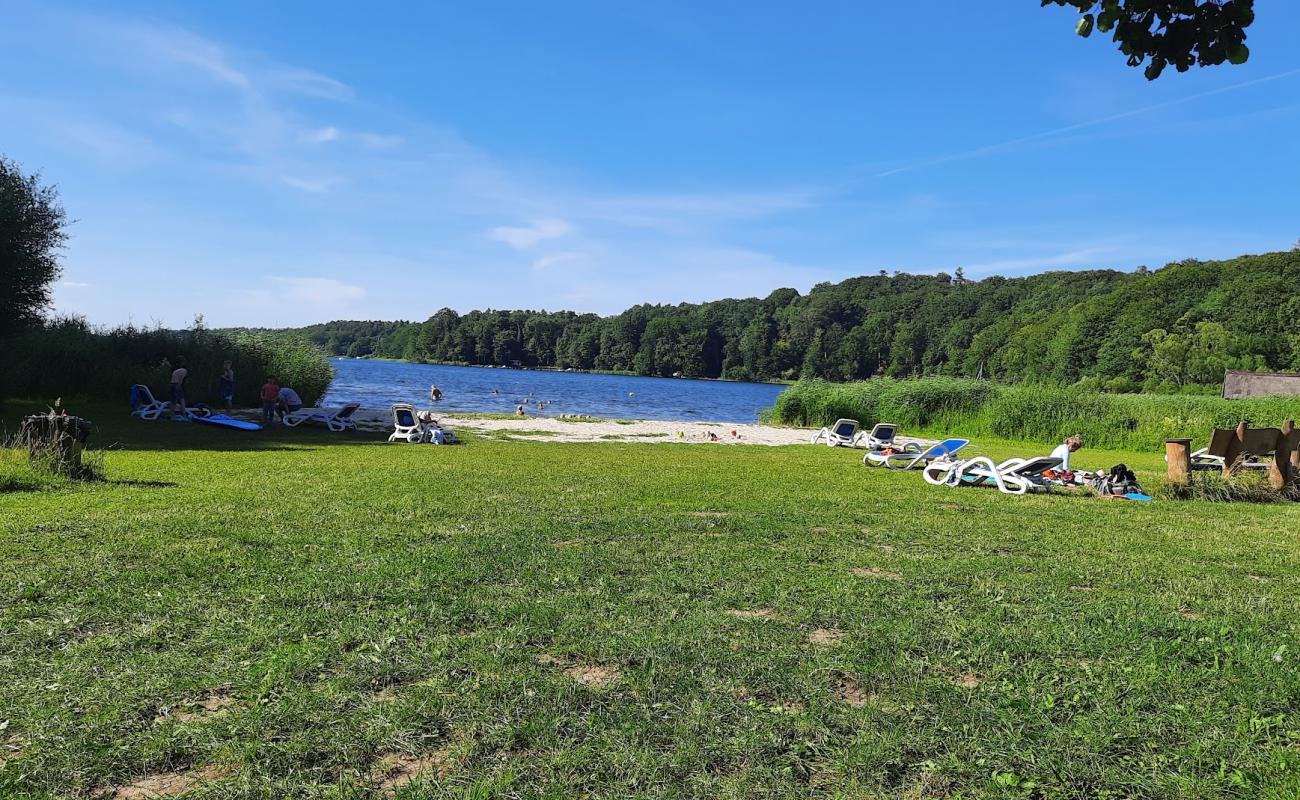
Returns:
<point x="226" y="386"/>
<point x="1064" y="449"/>
<point x="289" y="401"/>
<point x="270" y="398"/>
<point x="179" y="375"/>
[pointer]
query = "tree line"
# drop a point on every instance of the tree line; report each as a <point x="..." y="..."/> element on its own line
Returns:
<point x="1172" y="329"/>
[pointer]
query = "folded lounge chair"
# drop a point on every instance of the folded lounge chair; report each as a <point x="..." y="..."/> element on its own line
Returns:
<point x="843" y="433"/>
<point x="406" y="426"/>
<point x="338" y="419"/>
<point x="1013" y="476"/>
<point x="143" y="404"/>
<point x="912" y="456"/>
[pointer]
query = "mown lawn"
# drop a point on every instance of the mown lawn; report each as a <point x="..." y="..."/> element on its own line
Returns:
<point x="315" y="615"/>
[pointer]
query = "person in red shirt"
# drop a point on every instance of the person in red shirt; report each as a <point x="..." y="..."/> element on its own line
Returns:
<point x="270" y="398"/>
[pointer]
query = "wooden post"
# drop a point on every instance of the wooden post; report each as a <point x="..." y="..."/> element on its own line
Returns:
<point x="1279" y="472"/>
<point x="1178" y="457"/>
<point x="56" y="438"/>
<point x="1236" y="449"/>
<point x="1291" y="441"/>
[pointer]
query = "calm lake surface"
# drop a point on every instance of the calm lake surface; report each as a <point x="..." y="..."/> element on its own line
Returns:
<point x="379" y="384"/>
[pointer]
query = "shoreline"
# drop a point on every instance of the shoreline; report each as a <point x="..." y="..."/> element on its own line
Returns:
<point x="568" y="370"/>
<point x="591" y="429"/>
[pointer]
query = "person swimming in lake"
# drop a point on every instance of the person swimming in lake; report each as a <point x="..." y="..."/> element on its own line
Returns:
<point x="519" y="410"/>
<point x="435" y="394"/>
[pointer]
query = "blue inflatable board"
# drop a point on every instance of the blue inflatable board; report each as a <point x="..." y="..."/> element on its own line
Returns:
<point x="228" y="422"/>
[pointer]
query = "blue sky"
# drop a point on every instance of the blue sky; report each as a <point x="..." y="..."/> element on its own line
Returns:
<point x="286" y="163"/>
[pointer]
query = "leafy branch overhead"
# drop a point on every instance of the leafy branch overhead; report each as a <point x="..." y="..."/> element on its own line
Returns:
<point x="1164" y="32"/>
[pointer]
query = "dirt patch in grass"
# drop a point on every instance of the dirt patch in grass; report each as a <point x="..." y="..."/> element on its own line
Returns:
<point x="209" y="706"/>
<point x="586" y="674"/>
<point x="821" y="530"/>
<point x="969" y="680"/>
<point x="825" y="637"/>
<point x="754" y="613"/>
<point x="11" y="750"/>
<point x="710" y="514"/>
<point x="1187" y="613"/>
<point x="849" y="691"/>
<point x="1257" y="578"/>
<point x="875" y="572"/>
<point x="167" y="784"/>
<point x="392" y="771"/>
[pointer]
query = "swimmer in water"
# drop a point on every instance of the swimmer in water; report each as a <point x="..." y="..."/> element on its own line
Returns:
<point x="435" y="394"/>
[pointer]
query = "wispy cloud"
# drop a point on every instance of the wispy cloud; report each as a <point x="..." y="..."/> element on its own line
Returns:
<point x="313" y="185"/>
<point x="541" y="230"/>
<point x="74" y="284"/>
<point x="315" y="291"/>
<point x="546" y="262"/>
<point x="321" y="135"/>
<point x="1000" y="147"/>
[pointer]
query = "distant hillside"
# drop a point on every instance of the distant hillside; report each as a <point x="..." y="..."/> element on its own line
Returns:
<point x="1172" y="329"/>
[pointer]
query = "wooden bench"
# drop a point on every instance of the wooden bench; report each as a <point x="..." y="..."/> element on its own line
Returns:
<point x="1234" y="449"/>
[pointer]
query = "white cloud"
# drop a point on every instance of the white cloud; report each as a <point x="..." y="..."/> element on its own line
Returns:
<point x="314" y="185"/>
<point x="539" y="231"/>
<point x="74" y="285"/>
<point x="321" y="135"/>
<point x="315" y="291"/>
<point x="379" y="140"/>
<point x="546" y="262"/>
<point x="307" y="82"/>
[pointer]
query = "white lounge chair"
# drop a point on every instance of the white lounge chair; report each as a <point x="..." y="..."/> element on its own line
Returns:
<point x="144" y="405"/>
<point x="406" y="426"/>
<point x="880" y="436"/>
<point x="1013" y="476"/>
<point x="338" y="419"/>
<point x="912" y="456"/>
<point x="843" y="433"/>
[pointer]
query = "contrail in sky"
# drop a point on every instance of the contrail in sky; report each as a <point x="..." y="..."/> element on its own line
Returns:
<point x="990" y="148"/>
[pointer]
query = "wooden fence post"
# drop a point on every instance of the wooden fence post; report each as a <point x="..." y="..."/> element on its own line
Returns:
<point x="1236" y="447"/>
<point x="1178" y="457"/>
<point x="1290" y="440"/>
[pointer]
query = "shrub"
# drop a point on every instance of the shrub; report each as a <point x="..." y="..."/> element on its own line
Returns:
<point x="1249" y="486"/>
<point x="1037" y="413"/>
<point x="68" y="358"/>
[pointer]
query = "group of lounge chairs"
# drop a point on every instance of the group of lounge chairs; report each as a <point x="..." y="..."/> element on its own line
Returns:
<point x="939" y="462"/>
<point x="147" y="407"/>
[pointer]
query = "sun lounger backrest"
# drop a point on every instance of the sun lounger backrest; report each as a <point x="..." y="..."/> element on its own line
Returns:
<point x="846" y="428"/>
<point x="1035" y="467"/>
<point x="947" y="447"/>
<point x="404" y="416"/>
<point x="348" y="410"/>
<point x="884" y="432"/>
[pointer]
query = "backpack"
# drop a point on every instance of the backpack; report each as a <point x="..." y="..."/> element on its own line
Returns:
<point x="1120" y="480"/>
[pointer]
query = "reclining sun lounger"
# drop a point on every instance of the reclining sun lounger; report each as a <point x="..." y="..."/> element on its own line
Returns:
<point x="912" y="456"/>
<point x="338" y="419"/>
<point x="143" y="404"/>
<point x="1013" y="476"/>
<point x="880" y="436"/>
<point x="405" y="424"/>
<point x="843" y="433"/>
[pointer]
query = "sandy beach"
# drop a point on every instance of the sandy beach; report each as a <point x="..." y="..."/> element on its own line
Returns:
<point x="560" y="429"/>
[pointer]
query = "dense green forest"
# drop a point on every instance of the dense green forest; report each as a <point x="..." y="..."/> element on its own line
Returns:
<point x="1174" y="329"/>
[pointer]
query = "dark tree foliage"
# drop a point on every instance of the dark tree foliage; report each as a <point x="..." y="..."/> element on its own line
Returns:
<point x="31" y="235"/>
<point x="1172" y="329"/>
<point x="1177" y="32"/>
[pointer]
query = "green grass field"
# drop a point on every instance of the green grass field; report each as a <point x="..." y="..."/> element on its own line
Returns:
<point x="303" y="614"/>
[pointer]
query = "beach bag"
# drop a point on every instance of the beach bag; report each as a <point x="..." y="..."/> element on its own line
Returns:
<point x="1119" y="480"/>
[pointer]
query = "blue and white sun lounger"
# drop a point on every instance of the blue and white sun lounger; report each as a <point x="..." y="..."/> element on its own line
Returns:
<point x="1013" y="476"/>
<point x="844" y="433"/>
<point x="143" y="404"/>
<point x="338" y="419"/>
<point x="914" y="459"/>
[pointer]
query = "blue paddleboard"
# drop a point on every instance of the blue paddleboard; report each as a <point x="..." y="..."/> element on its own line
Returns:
<point x="228" y="422"/>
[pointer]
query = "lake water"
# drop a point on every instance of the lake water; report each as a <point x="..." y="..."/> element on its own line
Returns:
<point x="379" y="384"/>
